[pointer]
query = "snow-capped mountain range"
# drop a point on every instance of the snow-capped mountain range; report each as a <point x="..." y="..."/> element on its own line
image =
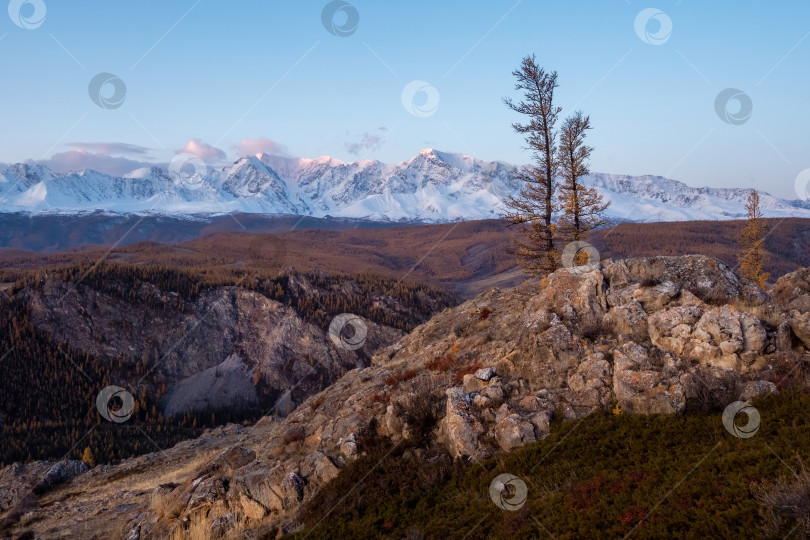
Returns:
<point x="433" y="186"/>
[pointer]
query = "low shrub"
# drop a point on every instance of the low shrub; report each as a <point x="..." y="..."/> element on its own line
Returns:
<point x="707" y="392"/>
<point x="786" y="503"/>
<point x="649" y="281"/>
<point x="593" y="330"/>
<point x="317" y="402"/>
<point x="421" y="414"/>
<point x="462" y="328"/>
<point x="444" y="362"/>
<point x="398" y="377"/>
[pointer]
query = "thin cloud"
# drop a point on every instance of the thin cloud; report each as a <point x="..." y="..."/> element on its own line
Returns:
<point x="250" y="147"/>
<point x="367" y="143"/>
<point x="111" y="148"/>
<point x="79" y="160"/>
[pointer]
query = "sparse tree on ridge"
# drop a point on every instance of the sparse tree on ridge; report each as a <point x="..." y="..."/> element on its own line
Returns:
<point x="752" y="242"/>
<point x="581" y="206"/>
<point x="534" y="206"/>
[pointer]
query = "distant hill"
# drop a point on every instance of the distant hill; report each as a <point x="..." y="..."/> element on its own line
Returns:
<point x="788" y="241"/>
<point x="466" y="256"/>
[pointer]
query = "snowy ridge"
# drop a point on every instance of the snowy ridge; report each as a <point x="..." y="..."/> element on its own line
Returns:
<point x="432" y="186"/>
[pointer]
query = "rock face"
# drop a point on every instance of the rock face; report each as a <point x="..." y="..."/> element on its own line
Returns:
<point x="19" y="482"/>
<point x="460" y="428"/>
<point x="724" y="337"/>
<point x="208" y="354"/>
<point x="646" y="336"/>
<point x="792" y="291"/>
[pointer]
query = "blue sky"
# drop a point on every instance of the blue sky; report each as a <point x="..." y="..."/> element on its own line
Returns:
<point x="267" y="75"/>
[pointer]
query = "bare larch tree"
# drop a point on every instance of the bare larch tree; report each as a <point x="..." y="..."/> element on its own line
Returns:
<point x="534" y="206"/>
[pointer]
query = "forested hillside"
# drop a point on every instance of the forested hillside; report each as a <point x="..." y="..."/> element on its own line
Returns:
<point x="48" y="391"/>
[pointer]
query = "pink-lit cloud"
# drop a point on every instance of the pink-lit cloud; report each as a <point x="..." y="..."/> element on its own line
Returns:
<point x="250" y="147"/>
<point x="202" y="150"/>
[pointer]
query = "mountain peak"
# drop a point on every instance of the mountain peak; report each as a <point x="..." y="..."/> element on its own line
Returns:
<point x="30" y="169"/>
<point x="432" y="186"/>
<point x="329" y="160"/>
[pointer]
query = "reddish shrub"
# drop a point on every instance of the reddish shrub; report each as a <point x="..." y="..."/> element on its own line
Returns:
<point x="396" y="378"/>
<point x="446" y="362"/>
<point x="785" y="381"/>
<point x="293" y="435"/>
<point x="637" y="478"/>
<point x="632" y="516"/>
<point x="632" y="480"/>
<point x="513" y="522"/>
<point x="585" y="494"/>
<point x="317" y="402"/>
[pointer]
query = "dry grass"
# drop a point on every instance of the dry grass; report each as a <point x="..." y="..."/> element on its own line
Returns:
<point x="766" y="313"/>
<point x="787" y="501"/>
<point x="165" y="502"/>
<point x="444" y="362"/>
<point x="317" y="402"/>
<point x="396" y="378"/>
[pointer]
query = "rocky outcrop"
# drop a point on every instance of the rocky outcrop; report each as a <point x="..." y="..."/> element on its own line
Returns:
<point x="800" y="325"/>
<point x="723" y="337"/>
<point x="792" y="291"/>
<point x="704" y="277"/>
<point x="19" y="482"/>
<point x="460" y="428"/>
<point x="645" y="382"/>
<point x="643" y="336"/>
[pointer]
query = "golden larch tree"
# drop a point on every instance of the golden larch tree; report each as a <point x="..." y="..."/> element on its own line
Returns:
<point x="752" y="243"/>
<point x="88" y="457"/>
<point x="581" y="206"/>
